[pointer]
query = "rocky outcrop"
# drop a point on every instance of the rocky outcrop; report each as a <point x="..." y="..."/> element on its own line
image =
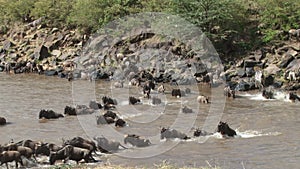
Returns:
<point x="40" y="49"/>
<point x="277" y="64"/>
<point x="142" y="54"/>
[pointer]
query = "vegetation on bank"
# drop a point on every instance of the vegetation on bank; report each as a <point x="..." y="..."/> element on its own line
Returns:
<point x="234" y="26"/>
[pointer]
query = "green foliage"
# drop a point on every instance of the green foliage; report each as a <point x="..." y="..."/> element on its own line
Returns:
<point x="55" y="11"/>
<point x="230" y="24"/>
<point x="92" y="14"/>
<point x="15" y="10"/>
<point x="277" y="17"/>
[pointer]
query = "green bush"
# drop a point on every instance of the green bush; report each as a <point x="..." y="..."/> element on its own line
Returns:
<point x="278" y="16"/>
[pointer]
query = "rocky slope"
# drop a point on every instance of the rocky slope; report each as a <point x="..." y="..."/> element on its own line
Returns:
<point x="168" y="59"/>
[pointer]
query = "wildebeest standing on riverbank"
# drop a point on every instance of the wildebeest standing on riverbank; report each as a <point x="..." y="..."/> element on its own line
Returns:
<point x="10" y="156"/>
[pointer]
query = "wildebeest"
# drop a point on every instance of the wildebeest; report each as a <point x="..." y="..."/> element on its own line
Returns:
<point x="2" y="121"/>
<point x="199" y="132"/>
<point x="176" y="93"/>
<point x="70" y="111"/>
<point x="43" y="149"/>
<point x="146" y="91"/>
<point x="79" y="110"/>
<point x="81" y="143"/>
<point x="229" y="92"/>
<point x="133" y="100"/>
<point x="62" y="154"/>
<point x="120" y="123"/>
<point x="161" y="88"/>
<point x="202" y="99"/>
<point x="268" y="93"/>
<point x="105" y="145"/>
<point x="24" y="151"/>
<point x="185" y="109"/>
<point x="10" y="156"/>
<point x="95" y="105"/>
<point x="172" y="133"/>
<point x="293" y="96"/>
<point x="104" y="120"/>
<point x="49" y="114"/>
<point x="135" y="82"/>
<point x="108" y="100"/>
<point x="224" y="129"/>
<point x="136" y="140"/>
<point x="119" y="84"/>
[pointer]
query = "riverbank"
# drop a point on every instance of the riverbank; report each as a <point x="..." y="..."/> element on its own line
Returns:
<point x="55" y="52"/>
<point x="164" y="165"/>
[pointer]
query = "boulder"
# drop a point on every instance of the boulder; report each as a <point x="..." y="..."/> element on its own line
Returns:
<point x="268" y="80"/>
<point x="287" y="59"/>
<point x="242" y="86"/>
<point x="294" y="65"/>
<point x="241" y="72"/>
<point x="7" y="45"/>
<point x="272" y="70"/>
<point x="250" y="71"/>
<point x="50" y="72"/>
<point x="251" y="63"/>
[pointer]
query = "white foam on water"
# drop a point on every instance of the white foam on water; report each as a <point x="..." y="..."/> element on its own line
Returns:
<point x="253" y="133"/>
<point x="123" y="103"/>
<point x="127" y="116"/>
<point x="278" y="95"/>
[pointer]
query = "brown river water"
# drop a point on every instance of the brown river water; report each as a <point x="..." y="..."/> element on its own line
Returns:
<point x="268" y="130"/>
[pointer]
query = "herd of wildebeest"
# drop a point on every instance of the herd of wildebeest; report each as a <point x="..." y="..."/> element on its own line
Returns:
<point x="81" y="149"/>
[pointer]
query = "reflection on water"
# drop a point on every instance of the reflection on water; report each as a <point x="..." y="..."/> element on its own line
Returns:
<point x="267" y="129"/>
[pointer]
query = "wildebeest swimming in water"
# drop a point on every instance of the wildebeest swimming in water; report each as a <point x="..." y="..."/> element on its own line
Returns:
<point x="95" y="105"/>
<point x="268" y="93"/>
<point x="172" y="133"/>
<point x="185" y="109"/>
<point x="224" y="129"/>
<point x="229" y="92"/>
<point x="136" y="140"/>
<point x="293" y="96"/>
<point x="146" y="91"/>
<point x="203" y="99"/>
<point x="133" y="100"/>
<point x="176" y="93"/>
<point x="120" y="123"/>
<point x="198" y="133"/>
<point x="49" y="114"/>
<point x="2" y="121"/>
<point x="106" y="146"/>
<point x="108" y="100"/>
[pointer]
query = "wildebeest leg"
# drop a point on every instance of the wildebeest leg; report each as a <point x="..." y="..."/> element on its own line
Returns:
<point x="7" y="165"/>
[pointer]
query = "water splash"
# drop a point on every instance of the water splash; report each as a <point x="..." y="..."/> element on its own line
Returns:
<point x="278" y="95"/>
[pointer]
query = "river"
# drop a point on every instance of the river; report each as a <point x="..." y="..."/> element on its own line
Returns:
<point x="267" y="129"/>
